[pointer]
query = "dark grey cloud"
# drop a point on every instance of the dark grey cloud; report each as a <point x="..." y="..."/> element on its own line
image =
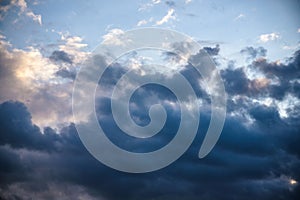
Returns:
<point x="236" y="81"/>
<point x="280" y="70"/>
<point x="251" y="156"/>
<point x="287" y="75"/>
<point x="61" y="56"/>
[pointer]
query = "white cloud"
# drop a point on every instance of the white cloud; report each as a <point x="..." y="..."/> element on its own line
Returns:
<point x="268" y="37"/>
<point x="115" y="37"/>
<point x="30" y="77"/>
<point x="73" y="46"/>
<point x="298" y="30"/>
<point x="166" y="18"/>
<point x="187" y="1"/>
<point x="142" y="22"/>
<point x="36" y="18"/>
<point x="156" y="1"/>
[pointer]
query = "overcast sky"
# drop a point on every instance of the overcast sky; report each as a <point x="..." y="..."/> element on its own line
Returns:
<point x="256" y="47"/>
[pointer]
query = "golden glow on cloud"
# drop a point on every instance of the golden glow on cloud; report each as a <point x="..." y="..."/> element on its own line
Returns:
<point x="293" y="182"/>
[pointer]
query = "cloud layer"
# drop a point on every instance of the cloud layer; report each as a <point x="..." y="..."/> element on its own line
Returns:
<point x="257" y="156"/>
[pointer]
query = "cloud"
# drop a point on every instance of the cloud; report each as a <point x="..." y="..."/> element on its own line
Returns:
<point x="170" y="3"/>
<point x="142" y="22"/>
<point x="52" y="165"/>
<point x="298" y="30"/>
<point x="115" y="37"/>
<point x="61" y="56"/>
<point x="263" y="78"/>
<point x="34" y="17"/>
<point x="236" y="81"/>
<point x="212" y="51"/>
<point x="254" y="52"/>
<point x="22" y="5"/>
<point x="47" y="191"/>
<point x="291" y="47"/>
<point x="239" y="17"/>
<point x="74" y="46"/>
<point x="269" y="37"/>
<point x="285" y="74"/>
<point x="149" y="5"/>
<point x="170" y="15"/>
<point x="44" y="85"/>
<point x="258" y="148"/>
<point x="65" y="73"/>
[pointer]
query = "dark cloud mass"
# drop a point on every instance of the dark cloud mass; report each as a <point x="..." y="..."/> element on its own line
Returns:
<point x="256" y="157"/>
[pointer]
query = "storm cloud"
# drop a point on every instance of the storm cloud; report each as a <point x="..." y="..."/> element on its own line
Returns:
<point x="256" y="157"/>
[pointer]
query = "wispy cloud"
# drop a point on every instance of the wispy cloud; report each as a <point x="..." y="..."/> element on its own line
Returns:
<point x="170" y="15"/>
<point x="34" y="17"/>
<point x="148" y="5"/>
<point x="144" y="21"/>
<point x="240" y="16"/>
<point x="291" y="47"/>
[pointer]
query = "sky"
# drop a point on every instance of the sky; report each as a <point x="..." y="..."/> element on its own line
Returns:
<point x="255" y="46"/>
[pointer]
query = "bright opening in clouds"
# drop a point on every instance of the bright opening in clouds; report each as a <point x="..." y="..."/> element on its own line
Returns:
<point x="255" y="46"/>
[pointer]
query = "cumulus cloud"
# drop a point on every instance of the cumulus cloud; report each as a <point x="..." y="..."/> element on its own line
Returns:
<point x="74" y="46"/>
<point x="30" y="77"/>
